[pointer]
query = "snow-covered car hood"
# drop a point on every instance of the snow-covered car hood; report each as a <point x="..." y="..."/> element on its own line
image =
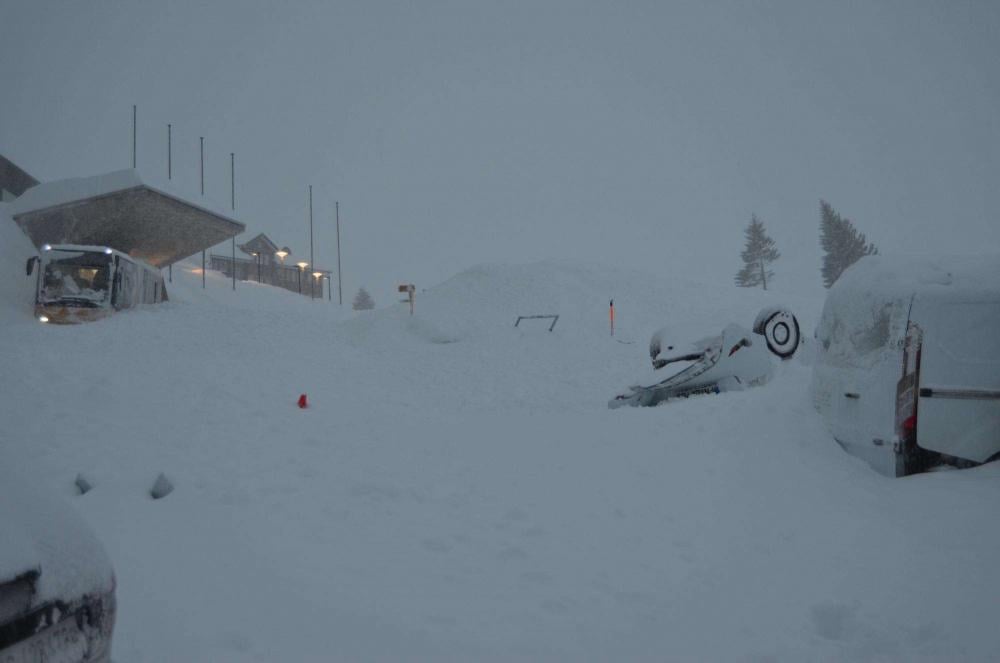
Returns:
<point x="40" y="532"/>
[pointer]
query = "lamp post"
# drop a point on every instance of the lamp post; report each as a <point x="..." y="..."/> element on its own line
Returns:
<point x="317" y="276"/>
<point x="302" y="266"/>
<point x="282" y="254"/>
<point x="257" y="256"/>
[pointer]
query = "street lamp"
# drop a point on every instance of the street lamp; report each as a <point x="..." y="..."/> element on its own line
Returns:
<point x="256" y="255"/>
<point x="282" y="254"/>
<point x="302" y="266"/>
<point x="317" y="276"/>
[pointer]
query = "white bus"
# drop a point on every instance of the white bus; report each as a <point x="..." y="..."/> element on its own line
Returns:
<point x="77" y="283"/>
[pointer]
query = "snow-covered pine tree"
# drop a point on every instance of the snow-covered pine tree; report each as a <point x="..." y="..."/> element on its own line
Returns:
<point x="363" y="301"/>
<point x="842" y="244"/>
<point x="757" y="255"/>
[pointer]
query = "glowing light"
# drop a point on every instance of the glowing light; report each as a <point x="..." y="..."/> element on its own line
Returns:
<point x="302" y="265"/>
<point x="108" y="251"/>
<point x="317" y="274"/>
<point x="46" y="247"/>
<point x="43" y="318"/>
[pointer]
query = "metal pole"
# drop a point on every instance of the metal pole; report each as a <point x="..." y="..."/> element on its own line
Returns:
<point x="340" y="287"/>
<point x="312" y="264"/>
<point x="232" y="191"/>
<point x="170" y="267"/>
<point x="201" y="161"/>
<point x="329" y="289"/>
<point x="133" y="135"/>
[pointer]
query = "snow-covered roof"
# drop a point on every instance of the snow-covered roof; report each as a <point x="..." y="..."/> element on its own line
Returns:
<point x="125" y="211"/>
<point x="79" y="189"/>
<point x="260" y="243"/>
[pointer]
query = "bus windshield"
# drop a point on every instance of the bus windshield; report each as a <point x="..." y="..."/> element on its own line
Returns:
<point x="77" y="278"/>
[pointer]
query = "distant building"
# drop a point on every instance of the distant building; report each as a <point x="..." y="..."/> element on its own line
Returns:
<point x="264" y="265"/>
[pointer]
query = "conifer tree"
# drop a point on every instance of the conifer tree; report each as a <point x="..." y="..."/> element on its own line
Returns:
<point x="363" y="301"/>
<point x="842" y="244"/>
<point x="757" y="255"/>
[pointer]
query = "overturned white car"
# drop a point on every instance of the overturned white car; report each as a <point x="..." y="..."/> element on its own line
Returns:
<point x="735" y="359"/>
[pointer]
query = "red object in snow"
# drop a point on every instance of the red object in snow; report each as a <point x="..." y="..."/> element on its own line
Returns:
<point x="303" y="401"/>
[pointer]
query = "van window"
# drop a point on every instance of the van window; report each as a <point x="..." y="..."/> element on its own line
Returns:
<point x="857" y="329"/>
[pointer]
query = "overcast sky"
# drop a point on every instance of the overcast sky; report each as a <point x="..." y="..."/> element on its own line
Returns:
<point x="638" y="134"/>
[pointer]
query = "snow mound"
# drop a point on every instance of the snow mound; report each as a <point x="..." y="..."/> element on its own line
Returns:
<point x="40" y="532"/>
<point x="17" y="290"/>
<point x="482" y="304"/>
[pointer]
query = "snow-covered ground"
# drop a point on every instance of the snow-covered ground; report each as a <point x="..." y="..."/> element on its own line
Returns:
<point x="458" y="488"/>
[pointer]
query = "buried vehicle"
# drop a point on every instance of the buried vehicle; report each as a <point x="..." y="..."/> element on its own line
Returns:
<point x="77" y="283"/>
<point x="57" y="587"/>
<point x="735" y="359"/>
<point x="906" y="374"/>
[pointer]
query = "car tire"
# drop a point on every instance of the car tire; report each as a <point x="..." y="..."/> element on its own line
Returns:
<point x="781" y="331"/>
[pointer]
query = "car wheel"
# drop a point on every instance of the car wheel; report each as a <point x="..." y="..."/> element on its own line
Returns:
<point x="781" y="331"/>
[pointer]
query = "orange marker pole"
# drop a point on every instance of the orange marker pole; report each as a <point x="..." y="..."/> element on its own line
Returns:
<point x="612" y="317"/>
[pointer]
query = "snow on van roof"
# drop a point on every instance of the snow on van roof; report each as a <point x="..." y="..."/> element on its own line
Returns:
<point x="904" y="275"/>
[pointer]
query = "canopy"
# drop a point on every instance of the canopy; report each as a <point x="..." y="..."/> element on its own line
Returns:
<point x="122" y="211"/>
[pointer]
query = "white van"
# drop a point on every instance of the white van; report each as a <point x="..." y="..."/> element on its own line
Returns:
<point x="907" y="366"/>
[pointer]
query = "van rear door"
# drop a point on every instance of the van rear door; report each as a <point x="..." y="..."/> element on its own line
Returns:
<point x="958" y="411"/>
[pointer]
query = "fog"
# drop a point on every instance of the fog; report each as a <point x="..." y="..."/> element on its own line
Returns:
<point x="641" y="134"/>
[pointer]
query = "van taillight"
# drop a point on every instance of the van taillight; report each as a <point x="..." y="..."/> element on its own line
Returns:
<point x="910" y="424"/>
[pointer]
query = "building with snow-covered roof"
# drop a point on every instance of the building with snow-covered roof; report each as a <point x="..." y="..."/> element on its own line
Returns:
<point x="261" y="247"/>
<point x="267" y="264"/>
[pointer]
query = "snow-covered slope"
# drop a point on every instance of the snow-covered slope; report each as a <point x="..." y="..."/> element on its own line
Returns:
<point x="458" y="488"/>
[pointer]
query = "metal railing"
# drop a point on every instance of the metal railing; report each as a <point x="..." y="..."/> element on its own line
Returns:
<point x="289" y="277"/>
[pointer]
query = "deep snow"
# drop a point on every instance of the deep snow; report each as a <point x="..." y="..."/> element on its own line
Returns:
<point x="459" y="489"/>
